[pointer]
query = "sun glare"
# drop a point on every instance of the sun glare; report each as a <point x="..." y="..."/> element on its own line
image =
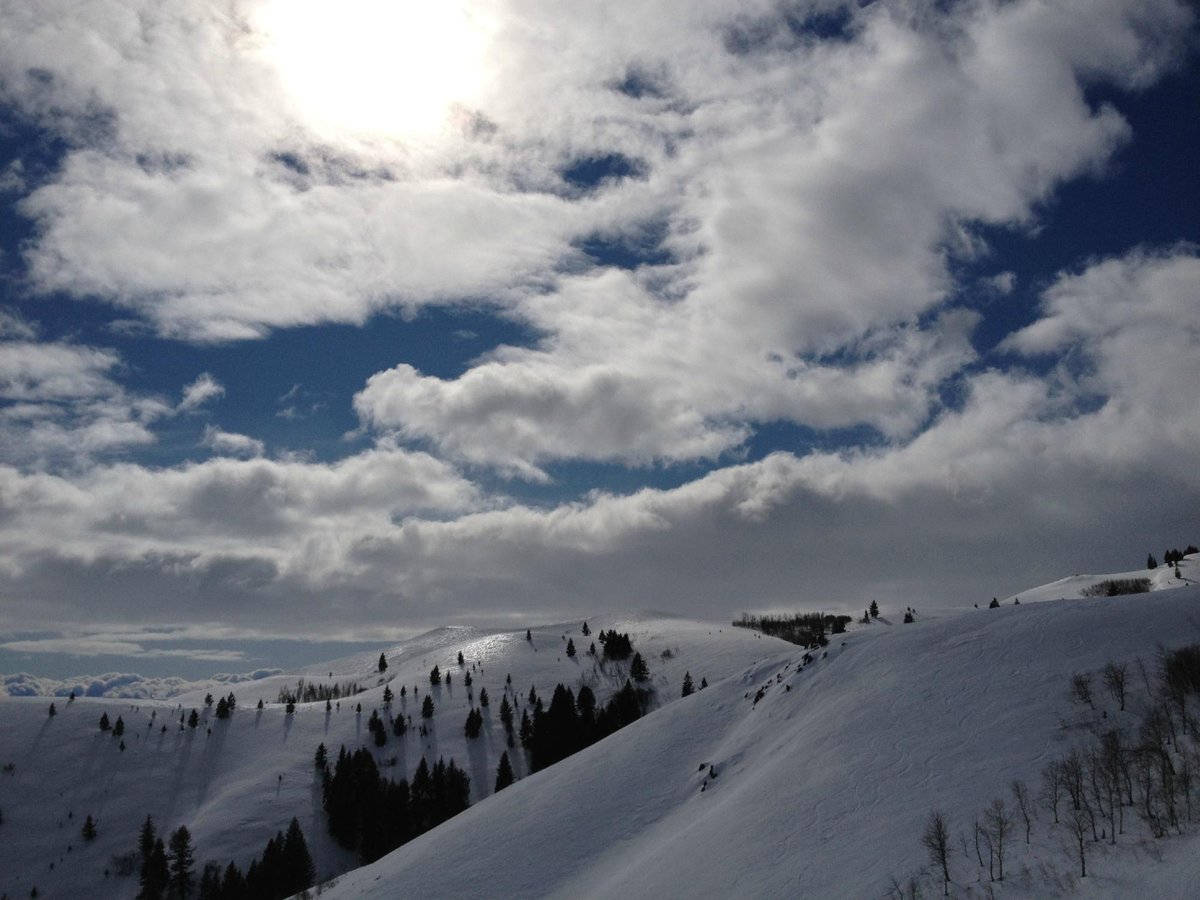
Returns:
<point x="382" y="67"/>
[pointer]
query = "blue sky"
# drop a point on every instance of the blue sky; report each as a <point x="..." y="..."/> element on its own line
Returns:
<point x="351" y="323"/>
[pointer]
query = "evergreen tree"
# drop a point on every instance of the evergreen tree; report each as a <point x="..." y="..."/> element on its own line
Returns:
<point x="387" y="696"/>
<point x="703" y="683"/>
<point x="474" y="723"/>
<point x="435" y="675"/>
<point x="208" y="700"/>
<point x="638" y="669"/>
<point x="89" y="829"/>
<point x="297" y="866"/>
<point x="233" y="885"/>
<point x="427" y="707"/>
<point x="504" y="772"/>
<point x="461" y="661"/>
<point x="528" y="635"/>
<point x="586" y="631"/>
<point x="468" y="680"/>
<point x="526" y="732"/>
<point x="321" y="757"/>
<point x="222" y="713"/>
<point x="506" y="713"/>
<point x="382" y="663"/>
<point x="1151" y="562"/>
<point x="403" y="691"/>
<point x="193" y="719"/>
<point x="483" y="697"/>
<point x="290" y="708"/>
<point x="155" y="874"/>
<point x="873" y="609"/>
<point x="231" y="701"/>
<point x="688" y="687"/>
<point x="908" y="618"/>
<point x="53" y="711"/>
<point x="532" y="695"/>
<point x="210" y="881"/>
<point x="104" y="725"/>
<point x="592" y="649"/>
<point x="181" y="862"/>
<point x="571" y="648"/>
<point x="260" y="703"/>
<point x="119" y="728"/>
<point x="146" y="840"/>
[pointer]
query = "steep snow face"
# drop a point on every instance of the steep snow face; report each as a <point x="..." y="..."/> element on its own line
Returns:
<point x="821" y="788"/>
<point x="238" y="785"/>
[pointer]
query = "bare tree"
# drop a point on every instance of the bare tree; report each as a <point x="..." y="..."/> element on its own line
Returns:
<point x="1024" y="805"/>
<point x="1081" y="688"/>
<point x="1077" y="827"/>
<point x="998" y="824"/>
<point x="1052" y="786"/>
<point x="936" y="841"/>
<point x="1115" y="678"/>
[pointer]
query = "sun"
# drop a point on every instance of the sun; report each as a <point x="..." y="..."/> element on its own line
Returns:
<point x="377" y="67"/>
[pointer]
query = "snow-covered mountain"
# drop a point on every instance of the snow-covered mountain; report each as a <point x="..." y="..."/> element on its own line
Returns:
<point x="785" y="778"/>
<point x="238" y="784"/>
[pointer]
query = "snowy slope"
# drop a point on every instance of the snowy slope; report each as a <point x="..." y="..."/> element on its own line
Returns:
<point x="822" y="791"/>
<point x="227" y="786"/>
<point x="1072" y="587"/>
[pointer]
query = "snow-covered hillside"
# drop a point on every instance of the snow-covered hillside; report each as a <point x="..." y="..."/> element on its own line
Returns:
<point x="785" y="778"/>
<point x="823" y="786"/>
<point x="238" y="785"/>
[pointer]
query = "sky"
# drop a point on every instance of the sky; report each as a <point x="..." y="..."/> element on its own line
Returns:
<point x="345" y="320"/>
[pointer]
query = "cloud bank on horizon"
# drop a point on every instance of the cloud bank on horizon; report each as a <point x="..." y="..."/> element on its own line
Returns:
<point x="802" y="303"/>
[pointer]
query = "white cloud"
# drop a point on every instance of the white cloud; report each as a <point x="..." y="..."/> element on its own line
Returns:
<point x="200" y="391"/>
<point x="813" y="197"/>
<point x="227" y="443"/>
<point x="1066" y="474"/>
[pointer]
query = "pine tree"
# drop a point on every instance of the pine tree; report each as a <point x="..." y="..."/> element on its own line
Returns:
<point x="483" y="697"/>
<point x="504" y="772"/>
<point x="222" y="708"/>
<point x="296" y="862"/>
<point x="104" y="725"/>
<point x="321" y="757"/>
<point x="461" y="661"/>
<point x="506" y="713"/>
<point x="146" y="840"/>
<point x="1151" y="562"/>
<point x="181" y="862"/>
<point x="260" y="703"/>
<point x="586" y="631"/>
<point x="571" y="648"/>
<point x="638" y="669"/>
<point x="208" y="700"/>
<point x="89" y="829"/>
<point x="53" y="711"/>
<point x="155" y="873"/>
<point x="703" y="683"/>
<point x="427" y="707"/>
<point x="688" y="687"/>
<point x="119" y="728"/>
<point x="290" y="707"/>
<point x="194" y="719"/>
<point x="528" y="635"/>
<point x="474" y="723"/>
<point x="435" y="675"/>
<point x="382" y="663"/>
<point x="873" y="609"/>
<point x="387" y="695"/>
